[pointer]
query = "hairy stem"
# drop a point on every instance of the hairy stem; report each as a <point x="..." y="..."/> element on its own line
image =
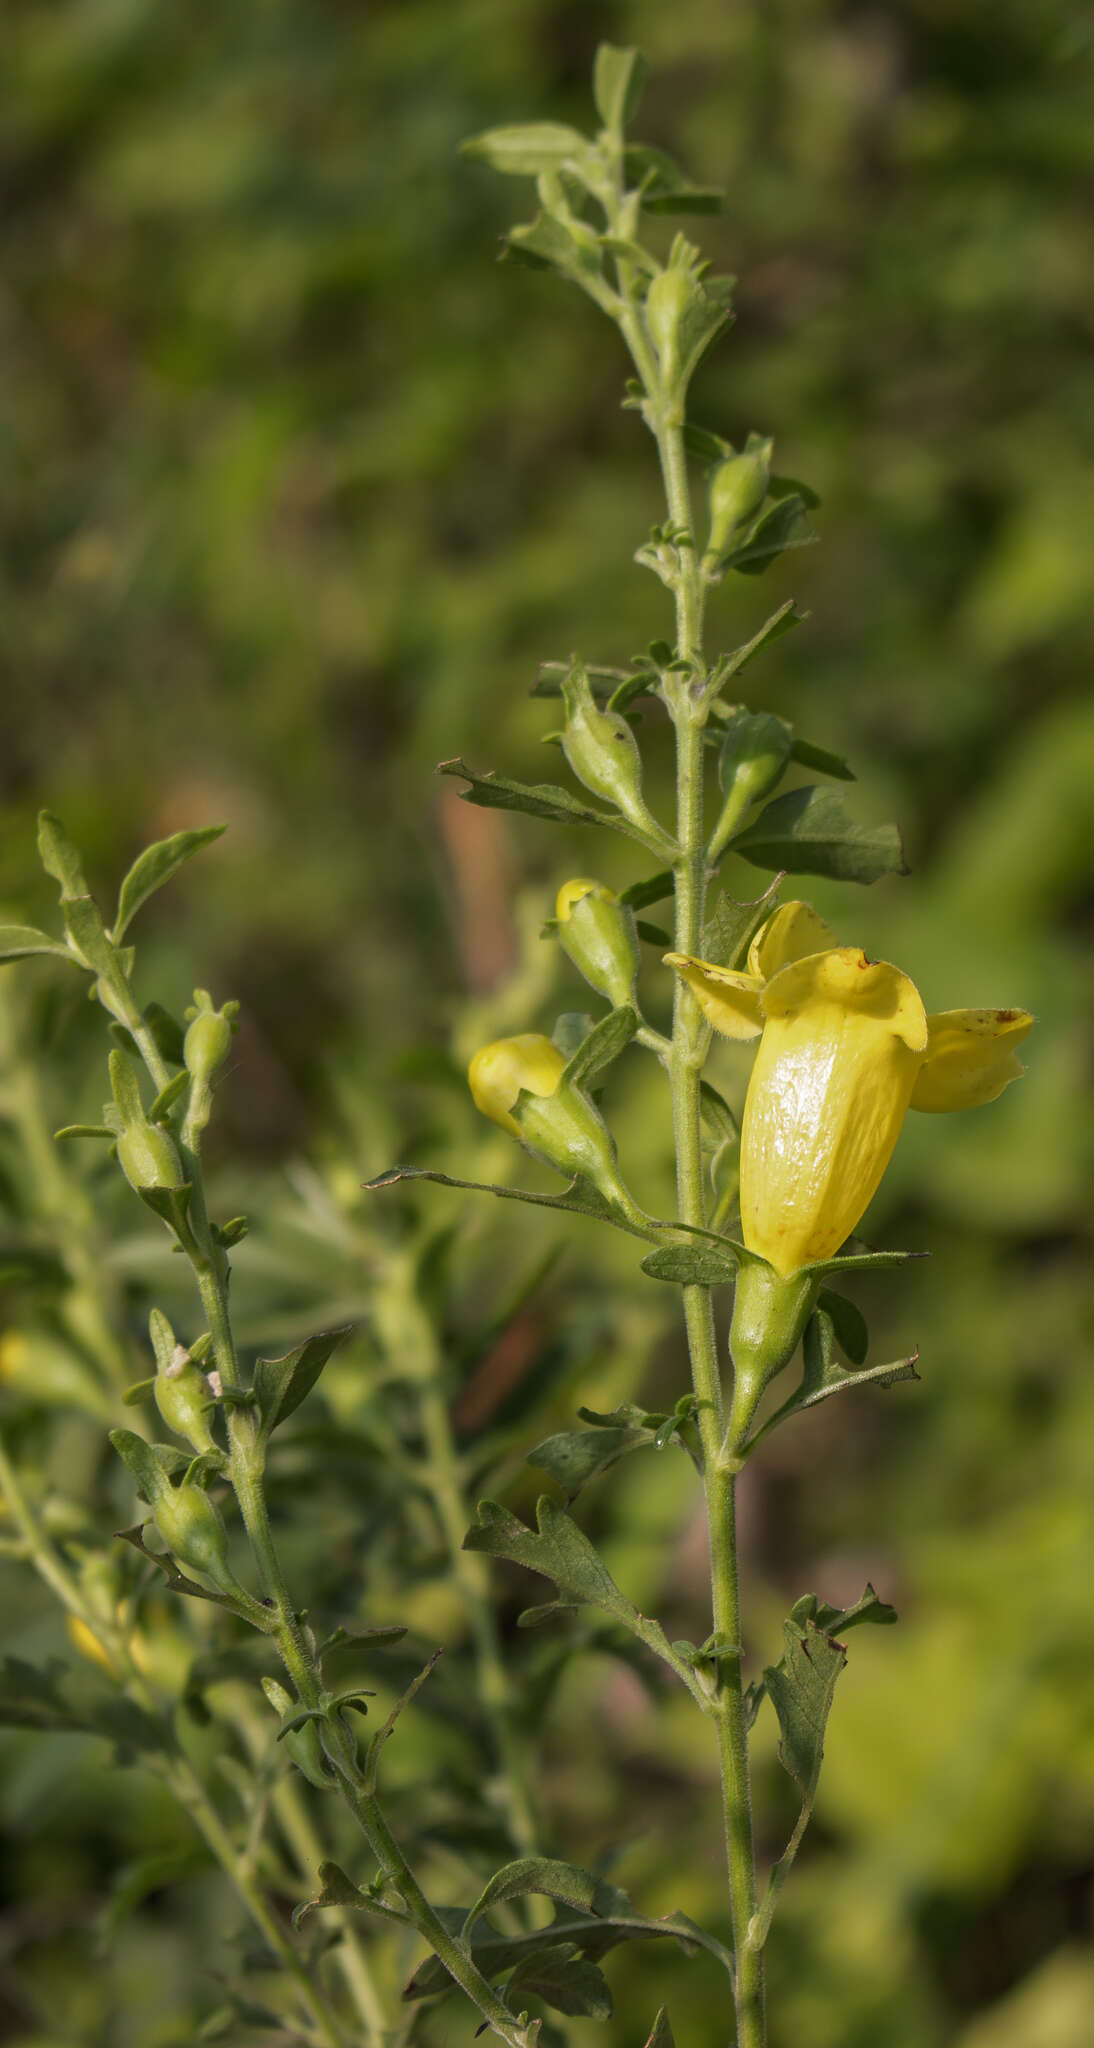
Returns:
<point x="685" y="1065"/>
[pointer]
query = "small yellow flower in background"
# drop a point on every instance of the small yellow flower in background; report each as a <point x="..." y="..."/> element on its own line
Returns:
<point x="846" y="1049"/>
<point x="499" y="1071"/>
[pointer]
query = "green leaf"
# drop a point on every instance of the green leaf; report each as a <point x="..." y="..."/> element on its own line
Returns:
<point x="604" y="1044"/>
<point x="820" y="759"/>
<point x="809" y="832"/>
<point x="822" y="1373"/>
<point x="730" y="926"/>
<point x="547" y="243"/>
<point x="146" y="1468"/>
<point x="59" y="856"/>
<point x="862" y="1261"/>
<point x="800" y="1688"/>
<point x="708" y="447"/>
<point x="848" y="1322"/>
<point x="663" y="185"/>
<point x="563" y="1980"/>
<point x="662" y="2035"/>
<point x="579" y="1199"/>
<point x="780" y="622"/>
<point x="155" y="866"/>
<point x="783" y="526"/>
<point x="690" y="1265"/>
<point x="594" y="1937"/>
<point x="836" y="1621"/>
<point x="719" y="1122"/>
<point x="653" y="890"/>
<point x="573" y="1457"/>
<point x="85" y="928"/>
<point x="792" y="487"/>
<point x="539" y="800"/>
<point x="336" y="1890"/>
<point x="19" y="941"/>
<point x="86" y="1131"/>
<point x="618" y="78"/>
<point x="528" y="148"/>
<point x="168" y="1096"/>
<point x="545" y="1876"/>
<point x="280" y="1384"/>
<point x="558" y="1550"/>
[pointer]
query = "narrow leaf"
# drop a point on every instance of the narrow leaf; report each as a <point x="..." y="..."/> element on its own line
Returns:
<point x="528" y="148"/>
<point x="690" y="1265"/>
<point x="618" y="78"/>
<point x="848" y="1322"/>
<point x="539" y="800"/>
<point x="820" y="759"/>
<point x="653" y="890"/>
<point x="780" y="622"/>
<point x="280" y="1384"/>
<point x="564" y="1980"/>
<point x="604" y="1044"/>
<point x="809" y="832"/>
<point x="784" y="526"/>
<point x="662" y="2035"/>
<point x="579" y="1199"/>
<point x="155" y="866"/>
<point x="19" y="941"/>
<point x="59" y="856"/>
<point x="85" y="928"/>
<point x="543" y="1875"/>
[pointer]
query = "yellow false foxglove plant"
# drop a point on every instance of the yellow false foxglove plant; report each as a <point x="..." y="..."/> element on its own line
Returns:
<point x="845" y="1044"/>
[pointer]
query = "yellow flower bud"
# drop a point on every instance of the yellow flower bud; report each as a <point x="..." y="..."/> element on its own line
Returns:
<point x="499" y="1071"/>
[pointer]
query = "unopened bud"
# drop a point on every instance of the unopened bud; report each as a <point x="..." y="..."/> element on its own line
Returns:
<point x="597" y="933"/>
<point x="182" y="1397"/>
<point x="603" y="752"/>
<point x="755" y="755"/>
<point x="192" y="1529"/>
<point x="148" y="1158"/>
<point x="666" y="303"/>
<point x="209" y="1037"/>
<point x="738" y="488"/>
<point x="555" y="1121"/>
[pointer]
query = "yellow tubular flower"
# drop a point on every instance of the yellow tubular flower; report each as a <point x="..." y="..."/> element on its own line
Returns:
<point x="846" y="1049"/>
<point x="499" y="1071"/>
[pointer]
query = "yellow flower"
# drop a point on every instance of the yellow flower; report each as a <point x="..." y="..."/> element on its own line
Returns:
<point x="846" y="1049"/>
<point x="499" y="1071"/>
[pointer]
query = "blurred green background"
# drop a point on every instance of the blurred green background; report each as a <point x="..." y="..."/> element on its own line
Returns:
<point x="298" y="487"/>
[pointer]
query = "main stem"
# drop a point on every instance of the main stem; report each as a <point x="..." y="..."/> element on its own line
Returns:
<point x="685" y="1070"/>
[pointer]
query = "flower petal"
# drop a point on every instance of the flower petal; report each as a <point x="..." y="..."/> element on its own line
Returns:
<point x="729" y="1001"/>
<point x="844" y="976"/>
<point x="970" y="1057"/>
<point x="841" y="1048"/>
<point x="790" y="933"/>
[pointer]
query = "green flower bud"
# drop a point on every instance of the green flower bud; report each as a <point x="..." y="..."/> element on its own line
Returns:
<point x="770" y="1313"/>
<point x="755" y="754"/>
<point x="181" y="1394"/>
<point x="148" y="1158"/>
<point x="209" y="1038"/>
<point x="603" y="752"/>
<point x="597" y="933"/>
<point x="738" y="488"/>
<point x="302" y="1744"/>
<point x="192" y="1529"/>
<point x="667" y="301"/>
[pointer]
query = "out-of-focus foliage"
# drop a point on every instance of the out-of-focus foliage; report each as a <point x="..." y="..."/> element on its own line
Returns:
<point x="298" y="489"/>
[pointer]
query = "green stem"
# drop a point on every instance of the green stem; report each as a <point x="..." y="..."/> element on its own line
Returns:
<point x="688" y="1051"/>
